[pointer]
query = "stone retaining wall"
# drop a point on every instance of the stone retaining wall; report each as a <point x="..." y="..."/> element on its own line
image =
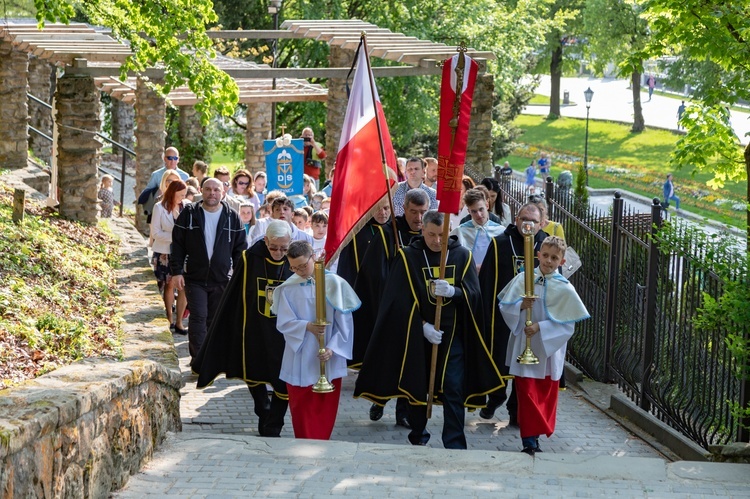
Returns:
<point x="82" y="430"/>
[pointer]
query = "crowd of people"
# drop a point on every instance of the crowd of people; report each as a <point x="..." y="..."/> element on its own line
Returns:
<point x="238" y="262"/>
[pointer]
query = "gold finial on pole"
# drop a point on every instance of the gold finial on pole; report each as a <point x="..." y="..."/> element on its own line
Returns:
<point x="322" y="385"/>
<point x="527" y="229"/>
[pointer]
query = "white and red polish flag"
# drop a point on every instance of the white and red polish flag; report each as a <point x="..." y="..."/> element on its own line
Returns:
<point x="452" y="150"/>
<point x="359" y="182"/>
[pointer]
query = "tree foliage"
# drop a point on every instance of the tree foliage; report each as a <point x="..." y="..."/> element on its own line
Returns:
<point x="714" y="34"/>
<point x="513" y="31"/>
<point x="170" y="34"/>
<point x="618" y="32"/>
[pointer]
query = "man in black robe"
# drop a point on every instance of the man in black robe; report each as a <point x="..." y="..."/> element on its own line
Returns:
<point x="243" y="341"/>
<point x="371" y="281"/>
<point x="397" y="362"/>
<point x="352" y="256"/>
<point x="504" y="259"/>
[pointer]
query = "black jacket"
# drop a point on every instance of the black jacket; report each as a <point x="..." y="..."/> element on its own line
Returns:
<point x="189" y="256"/>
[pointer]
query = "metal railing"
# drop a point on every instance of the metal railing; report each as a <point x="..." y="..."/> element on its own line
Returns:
<point x="125" y="150"/>
<point x="643" y="299"/>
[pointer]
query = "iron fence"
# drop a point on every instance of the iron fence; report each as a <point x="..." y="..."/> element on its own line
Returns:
<point x="643" y="296"/>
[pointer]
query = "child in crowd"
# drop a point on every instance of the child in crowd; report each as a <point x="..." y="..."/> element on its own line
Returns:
<point x="299" y="219"/>
<point x="313" y="414"/>
<point x="555" y="308"/>
<point x="106" y="196"/>
<point x="310" y="211"/>
<point x="247" y="216"/>
<point x="319" y="224"/>
<point x="325" y="205"/>
<point x="531" y="177"/>
<point x="317" y="200"/>
<point x="192" y="192"/>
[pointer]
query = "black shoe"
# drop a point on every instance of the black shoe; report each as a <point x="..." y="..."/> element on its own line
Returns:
<point x="487" y="412"/>
<point x="513" y="421"/>
<point x="403" y="422"/>
<point x="183" y="332"/>
<point x="529" y="450"/>
<point x="376" y="412"/>
<point x="171" y="327"/>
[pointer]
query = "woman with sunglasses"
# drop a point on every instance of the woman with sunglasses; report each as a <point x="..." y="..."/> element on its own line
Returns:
<point x="242" y="191"/>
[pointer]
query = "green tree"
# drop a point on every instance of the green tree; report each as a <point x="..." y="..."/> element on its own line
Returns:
<point x="618" y="32"/>
<point x="717" y="31"/>
<point x="558" y="50"/>
<point x="172" y="34"/>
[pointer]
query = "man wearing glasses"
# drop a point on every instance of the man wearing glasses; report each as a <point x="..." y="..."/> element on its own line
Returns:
<point x="148" y="195"/>
<point x="503" y="260"/>
<point x="171" y="159"/>
<point x="243" y="341"/>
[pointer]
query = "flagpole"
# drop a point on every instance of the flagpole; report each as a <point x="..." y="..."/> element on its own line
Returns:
<point x="460" y="66"/>
<point x="363" y="41"/>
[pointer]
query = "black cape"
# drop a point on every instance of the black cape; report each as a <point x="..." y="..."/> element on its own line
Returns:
<point x="351" y="257"/>
<point x="503" y="261"/>
<point x="243" y="341"/>
<point x="371" y="279"/>
<point x="397" y="361"/>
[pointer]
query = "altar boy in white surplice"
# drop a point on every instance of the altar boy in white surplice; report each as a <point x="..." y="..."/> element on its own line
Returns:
<point x="555" y="310"/>
<point x="313" y="414"/>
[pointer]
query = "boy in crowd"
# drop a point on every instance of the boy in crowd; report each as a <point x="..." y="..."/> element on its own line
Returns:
<point x="555" y="308"/>
<point x="299" y="219"/>
<point x="313" y="414"/>
<point x="319" y="224"/>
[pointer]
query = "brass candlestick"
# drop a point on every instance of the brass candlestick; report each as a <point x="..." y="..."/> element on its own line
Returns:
<point x="323" y="385"/>
<point x="527" y="229"/>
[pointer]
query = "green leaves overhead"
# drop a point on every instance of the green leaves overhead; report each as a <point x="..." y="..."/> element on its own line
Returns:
<point x="167" y="34"/>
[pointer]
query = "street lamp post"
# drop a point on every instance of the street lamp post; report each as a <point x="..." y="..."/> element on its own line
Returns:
<point x="274" y="6"/>
<point x="588" y="94"/>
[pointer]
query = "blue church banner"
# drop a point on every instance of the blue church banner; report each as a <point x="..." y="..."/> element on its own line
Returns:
<point x="284" y="165"/>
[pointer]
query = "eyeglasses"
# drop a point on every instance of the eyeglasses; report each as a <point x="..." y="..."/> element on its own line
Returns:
<point x="226" y="184"/>
<point x="535" y="199"/>
<point x="283" y="249"/>
<point x="172" y="158"/>
<point x="299" y="268"/>
<point x="243" y="183"/>
<point x="530" y="220"/>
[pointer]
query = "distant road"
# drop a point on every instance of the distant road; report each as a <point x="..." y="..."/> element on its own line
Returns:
<point x="613" y="100"/>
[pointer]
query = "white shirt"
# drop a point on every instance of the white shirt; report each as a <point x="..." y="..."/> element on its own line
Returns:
<point x="209" y="231"/>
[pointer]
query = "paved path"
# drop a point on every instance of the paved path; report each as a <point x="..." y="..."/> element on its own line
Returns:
<point x="590" y="455"/>
<point x="613" y="100"/>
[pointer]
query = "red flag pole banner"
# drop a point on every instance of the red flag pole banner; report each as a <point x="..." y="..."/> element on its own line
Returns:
<point x="359" y="184"/>
<point x="456" y="92"/>
<point x="452" y="148"/>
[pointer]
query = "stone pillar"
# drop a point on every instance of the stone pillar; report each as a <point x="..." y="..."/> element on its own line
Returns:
<point x="191" y="133"/>
<point x="123" y="122"/>
<point x="337" y="102"/>
<point x="150" y="113"/>
<point x="41" y="84"/>
<point x="14" y="113"/>
<point x="258" y="127"/>
<point x="479" y="150"/>
<point x="78" y="149"/>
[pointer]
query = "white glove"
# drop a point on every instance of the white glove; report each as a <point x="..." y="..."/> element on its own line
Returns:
<point x="433" y="335"/>
<point x="442" y="288"/>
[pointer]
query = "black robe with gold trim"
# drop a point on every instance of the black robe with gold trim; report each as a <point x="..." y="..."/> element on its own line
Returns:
<point x="353" y="254"/>
<point x="243" y="342"/>
<point x="371" y="281"/>
<point x="397" y="362"/>
<point x="503" y="261"/>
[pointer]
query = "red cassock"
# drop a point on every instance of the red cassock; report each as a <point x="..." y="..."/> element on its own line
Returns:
<point x="313" y="414"/>
<point x="537" y="405"/>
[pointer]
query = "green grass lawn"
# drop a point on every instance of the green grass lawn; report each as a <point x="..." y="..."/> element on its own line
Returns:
<point x="621" y="159"/>
<point x="220" y="158"/>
